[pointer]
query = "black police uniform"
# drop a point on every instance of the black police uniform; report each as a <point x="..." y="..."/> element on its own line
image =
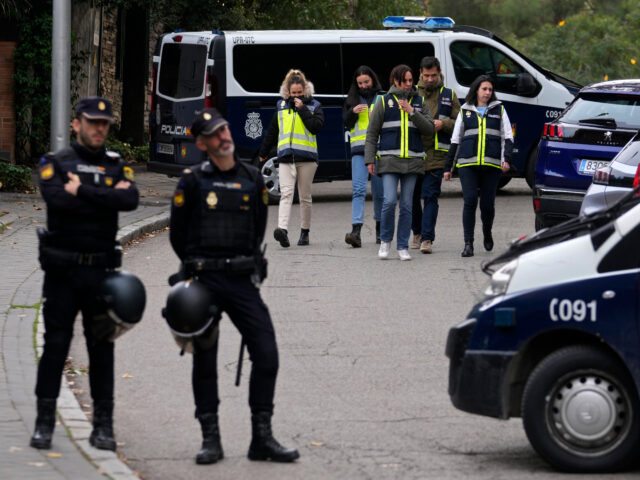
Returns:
<point x="77" y="253"/>
<point x="218" y="221"/>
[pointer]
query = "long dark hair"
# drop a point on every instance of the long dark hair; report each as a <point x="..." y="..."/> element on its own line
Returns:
<point x="353" y="96"/>
<point x="472" y="96"/>
<point x="398" y="73"/>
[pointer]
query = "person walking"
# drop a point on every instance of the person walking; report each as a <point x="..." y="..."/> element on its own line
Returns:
<point x="364" y="89"/>
<point x="84" y="189"/>
<point x="396" y="124"/>
<point x="482" y="144"/>
<point x="217" y="225"/>
<point x="443" y="104"/>
<point x="293" y="129"/>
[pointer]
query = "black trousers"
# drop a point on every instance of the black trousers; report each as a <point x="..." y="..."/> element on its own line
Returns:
<point x="478" y="181"/>
<point x="240" y="299"/>
<point x="66" y="293"/>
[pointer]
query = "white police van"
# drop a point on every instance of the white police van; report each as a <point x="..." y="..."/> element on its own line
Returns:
<point x="240" y="73"/>
<point x="556" y="341"/>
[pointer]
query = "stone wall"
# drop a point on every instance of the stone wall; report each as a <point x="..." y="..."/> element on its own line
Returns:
<point x="7" y="112"/>
<point x="110" y="86"/>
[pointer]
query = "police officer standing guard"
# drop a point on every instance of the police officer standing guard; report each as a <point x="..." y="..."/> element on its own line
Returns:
<point x="218" y="220"/>
<point x="84" y="189"/>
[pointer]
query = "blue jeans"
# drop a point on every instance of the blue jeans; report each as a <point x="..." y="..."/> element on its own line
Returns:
<point x="482" y="181"/>
<point x="431" y="188"/>
<point x="390" y="188"/>
<point x="359" y="176"/>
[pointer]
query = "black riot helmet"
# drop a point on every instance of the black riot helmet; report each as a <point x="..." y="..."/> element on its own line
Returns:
<point x="191" y="315"/>
<point x="119" y="306"/>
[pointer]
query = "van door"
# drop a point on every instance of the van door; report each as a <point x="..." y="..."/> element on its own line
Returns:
<point x="517" y="86"/>
<point x="180" y="92"/>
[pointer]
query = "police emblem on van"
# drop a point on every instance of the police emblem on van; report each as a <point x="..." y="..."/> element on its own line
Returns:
<point x="253" y="125"/>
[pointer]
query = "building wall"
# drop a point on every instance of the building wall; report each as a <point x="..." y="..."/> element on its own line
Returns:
<point x="110" y="85"/>
<point x="7" y="111"/>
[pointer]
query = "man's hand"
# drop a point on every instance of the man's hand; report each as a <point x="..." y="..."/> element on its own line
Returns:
<point x="122" y="184"/>
<point x="372" y="168"/>
<point x="437" y="124"/>
<point x="73" y="184"/>
<point x="447" y="176"/>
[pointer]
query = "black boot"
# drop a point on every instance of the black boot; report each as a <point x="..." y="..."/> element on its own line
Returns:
<point x="468" y="250"/>
<point x="353" y="238"/>
<point x="378" y="233"/>
<point x="280" y="234"/>
<point x="488" y="241"/>
<point x="304" y="237"/>
<point x="45" y="423"/>
<point x="211" y="450"/>
<point x="263" y="445"/>
<point x="102" y="435"/>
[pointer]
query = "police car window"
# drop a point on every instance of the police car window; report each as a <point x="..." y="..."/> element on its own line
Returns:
<point x="382" y="57"/>
<point x="624" y="255"/>
<point x="182" y="68"/>
<point x="472" y="59"/>
<point x="319" y="62"/>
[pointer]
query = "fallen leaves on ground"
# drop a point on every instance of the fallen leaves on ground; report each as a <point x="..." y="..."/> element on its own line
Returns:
<point x="126" y="375"/>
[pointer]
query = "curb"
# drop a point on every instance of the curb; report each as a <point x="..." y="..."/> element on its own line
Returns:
<point x="69" y="411"/>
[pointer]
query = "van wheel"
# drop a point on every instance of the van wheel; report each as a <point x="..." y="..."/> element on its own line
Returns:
<point x="503" y="181"/>
<point x="580" y="411"/>
<point x="271" y="180"/>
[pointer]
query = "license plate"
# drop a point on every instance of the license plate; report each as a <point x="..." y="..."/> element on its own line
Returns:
<point x="589" y="167"/>
<point x="165" y="148"/>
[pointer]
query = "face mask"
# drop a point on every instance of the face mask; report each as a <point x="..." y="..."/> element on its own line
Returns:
<point x="367" y="92"/>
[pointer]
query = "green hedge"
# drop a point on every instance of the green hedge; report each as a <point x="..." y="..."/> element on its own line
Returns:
<point x="15" y="178"/>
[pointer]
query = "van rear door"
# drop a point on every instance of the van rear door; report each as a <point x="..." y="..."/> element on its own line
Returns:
<point x="180" y="92"/>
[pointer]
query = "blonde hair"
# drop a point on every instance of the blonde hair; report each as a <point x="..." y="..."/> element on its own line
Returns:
<point x="297" y="77"/>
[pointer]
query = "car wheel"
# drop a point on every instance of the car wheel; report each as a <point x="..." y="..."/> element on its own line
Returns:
<point x="580" y="411"/>
<point x="269" y="171"/>
<point x="530" y="171"/>
<point x="539" y="224"/>
<point x="503" y="181"/>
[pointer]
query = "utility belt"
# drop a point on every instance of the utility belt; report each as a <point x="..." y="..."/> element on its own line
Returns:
<point x="239" y="265"/>
<point x="57" y="258"/>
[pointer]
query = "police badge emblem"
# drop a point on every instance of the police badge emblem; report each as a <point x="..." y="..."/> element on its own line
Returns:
<point x="390" y="102"/>
<point x="468" y="114"/>
<point x="253" y="125"/>
<point x="283" y="104"/>
<point x="212" y="200"/>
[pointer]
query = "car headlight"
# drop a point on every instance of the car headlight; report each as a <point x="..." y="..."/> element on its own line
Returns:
<point x="500" y="280"/>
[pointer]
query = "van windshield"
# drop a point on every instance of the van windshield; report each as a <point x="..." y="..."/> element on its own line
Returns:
<point x="182" y="68"/>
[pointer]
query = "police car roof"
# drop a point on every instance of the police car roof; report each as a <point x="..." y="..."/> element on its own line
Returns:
<point x="629" y="85"/>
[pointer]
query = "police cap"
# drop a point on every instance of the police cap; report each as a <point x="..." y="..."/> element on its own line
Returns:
<point x="207" y="121"/>
<point x="94" y="108"/>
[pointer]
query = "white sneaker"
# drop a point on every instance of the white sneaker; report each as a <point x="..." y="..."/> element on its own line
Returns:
<point x="404" y="254"/>
<point x="383" y="253"/>
<point x="415" y="242"/>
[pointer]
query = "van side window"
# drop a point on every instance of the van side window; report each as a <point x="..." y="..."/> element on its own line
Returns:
<point x="182" y="69"/>
<point x="471" y="59"/>
<point x="319" y="62"/>
<point x="382" y="57"/>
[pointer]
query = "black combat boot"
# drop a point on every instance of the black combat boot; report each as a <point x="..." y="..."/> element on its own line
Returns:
<point x="45" y="423"/>
<point x="211" y="450"/>
<point x="280" y="234"/>
<point x="263" y="445"/>
<point x="304" y="237"/>
<point x="488" y="240"/>
<point x="468" y="250"/>
<point x="353" y="238"/>
<point x="102" y="435"/>
<point x="378" y="233"/>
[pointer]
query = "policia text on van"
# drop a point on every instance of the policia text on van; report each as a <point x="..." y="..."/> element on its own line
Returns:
<point x="200" y="69"/>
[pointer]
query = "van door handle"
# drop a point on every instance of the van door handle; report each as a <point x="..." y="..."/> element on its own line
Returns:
<point x="253" y="104"/>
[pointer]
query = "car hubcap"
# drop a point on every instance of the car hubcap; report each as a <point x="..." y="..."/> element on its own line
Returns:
<point x="589" y="413"/>
<point x="270" y="177"/>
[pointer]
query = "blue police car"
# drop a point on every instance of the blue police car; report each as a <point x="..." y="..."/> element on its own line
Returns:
<point x="584" y="138"/>
<point x="556" y="341"/>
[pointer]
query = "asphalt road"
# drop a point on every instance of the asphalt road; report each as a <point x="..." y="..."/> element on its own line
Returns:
<point x="362" y="388"/>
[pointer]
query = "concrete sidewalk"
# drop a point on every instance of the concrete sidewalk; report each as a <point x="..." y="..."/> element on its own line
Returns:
<point x="71" y="456"/>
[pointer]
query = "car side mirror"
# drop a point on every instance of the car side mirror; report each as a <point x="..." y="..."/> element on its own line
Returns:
<point x="526" y="85"/>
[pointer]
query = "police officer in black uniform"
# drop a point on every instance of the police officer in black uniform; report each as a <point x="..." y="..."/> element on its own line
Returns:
<point x="84" y="189"/>
<point x="218" y="220"/>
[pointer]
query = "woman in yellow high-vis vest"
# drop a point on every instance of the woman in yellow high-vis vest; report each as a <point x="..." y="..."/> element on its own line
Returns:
<point x="296" y="122"/>
<point x="365" y="87"/>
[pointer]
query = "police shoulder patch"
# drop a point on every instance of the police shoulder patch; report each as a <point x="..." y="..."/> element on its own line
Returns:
<point x="128" y="173"/>
<point x="178" y="198"/>
<point x="46" y="171"/>
<point x="265" y="196"/>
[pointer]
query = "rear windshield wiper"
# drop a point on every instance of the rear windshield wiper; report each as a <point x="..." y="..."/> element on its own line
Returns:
<point x="607" y="122"/>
